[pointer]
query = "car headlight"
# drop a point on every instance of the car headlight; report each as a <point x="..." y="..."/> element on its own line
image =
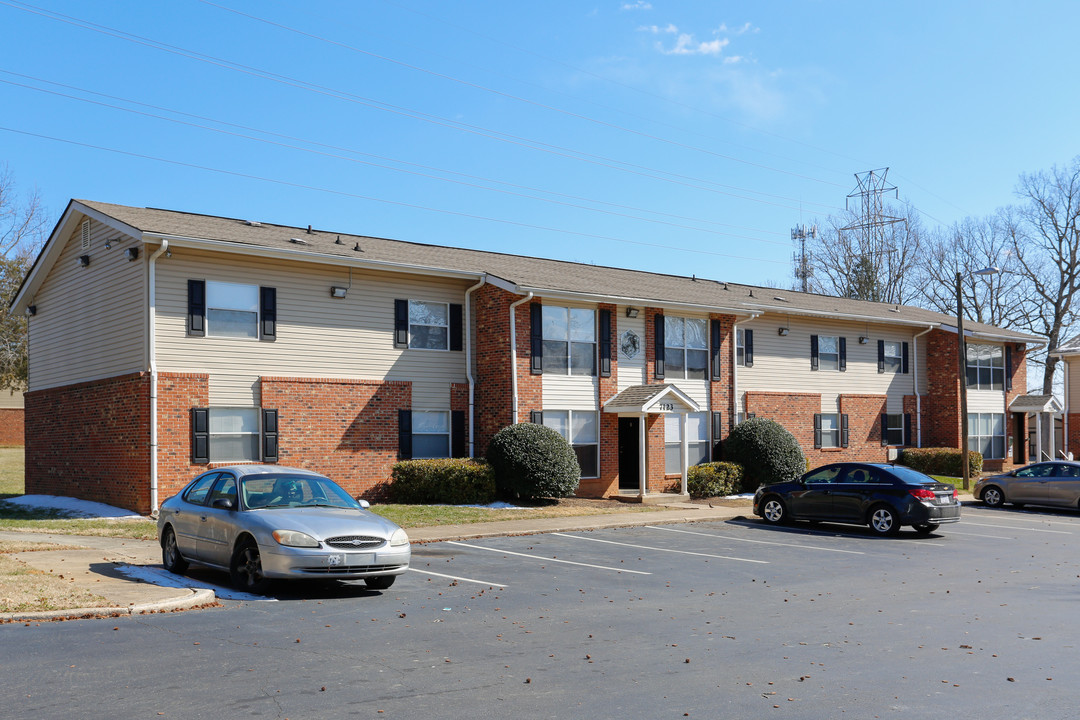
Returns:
<point x="399" y="539"/>
<point x="295" y="538"/>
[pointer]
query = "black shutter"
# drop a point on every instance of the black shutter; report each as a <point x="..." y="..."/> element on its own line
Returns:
<point x="715" y="339"/>
<point x="536" y="417"/>
<point x="884" y="428"/>
<point x="658" y="345"/>
<point x="404" y="426"/>
<point x="843" y="354"/>
<point x="751" y="416"/>
<point x="457" y="434"/>
<point x="200" y="436"/>
<point x="605" y="343"/>
<point x="904" y="358"/>
<point x="843" y="430"/>
<point x="536" y="338"/>
<point x="907" y="429"/>
<point x="456" y="327"/>
<point x="196" y="307"/>
<point x="813" y="355"/>
<point x="817" y="430"/>
<point x="401" y="323"/>
<point x="268" y="308"/>
<point x="717" y="434"/>
<point x="1008" y="367"/>
<point x="269" y="435"/>
<point x="881" y="356"/>
<point x="748" y="348"/>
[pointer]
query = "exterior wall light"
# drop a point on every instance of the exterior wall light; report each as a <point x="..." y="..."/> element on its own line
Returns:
<point x="863" y="339"/>
<point x="84" y="261"/>
<point x="782" y="331"/>
<point x="31" y="310"/>
<point x="132" y="253"/>
<point x="631" y="312"/>
<point x="336" y="291"/>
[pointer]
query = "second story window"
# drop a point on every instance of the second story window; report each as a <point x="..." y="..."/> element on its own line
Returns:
<point x="744" y="347"/>
<point x="429" y="324"/>
<point x="893" y="359"/>
<point x="232" y="310"/>
<point x="569" y="340"/>
<point x="685" y="347"/>
<point x="828" y="352"/>
<point x="985" y="367"/>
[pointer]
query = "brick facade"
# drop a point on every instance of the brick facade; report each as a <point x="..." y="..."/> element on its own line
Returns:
<point x="12" y="427"/>
<point x="608" y="482"/>
<point x="92" y="441"/>
<point x="178" y="393"/>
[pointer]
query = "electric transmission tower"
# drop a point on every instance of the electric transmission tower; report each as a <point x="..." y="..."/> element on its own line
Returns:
<point x="870" y="239"/>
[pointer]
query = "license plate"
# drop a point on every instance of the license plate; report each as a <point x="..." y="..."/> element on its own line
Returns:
<point x="333" y="559"/>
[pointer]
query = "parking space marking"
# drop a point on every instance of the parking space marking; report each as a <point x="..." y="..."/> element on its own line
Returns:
<point x="656" y="549"/>
<point x="457" y="577"/>
<point x="546" y="559"/>
<point x="1018" y="516"/>
<point x="828" y="533"/>
<point x="759" y="542"/>
<point x="979" y="535"/>
<point x="1021" y="529"/>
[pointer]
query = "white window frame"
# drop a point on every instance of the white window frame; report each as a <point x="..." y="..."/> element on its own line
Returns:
<point x="566" y="429"/>
<point x="827" y="435"/>
<point x="445" y="326"/>
<point x="673" y="441"/>
<point x="890" y="418"/>
<point x="568" y="340"/>
<point x="740" y="348"/>
<point x="977" y="439"/>
<point x="255" y="434"/>
<point x="214" y="287"/>
<point x="894" y="363"/>
<point x="834" y="361"/>
<point x="685" y="349"/>
<point x="980" y="359"/>
<point x="419" y="414"/>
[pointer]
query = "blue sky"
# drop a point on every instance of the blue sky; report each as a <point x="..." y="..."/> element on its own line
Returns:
<point x="686" y="138"/>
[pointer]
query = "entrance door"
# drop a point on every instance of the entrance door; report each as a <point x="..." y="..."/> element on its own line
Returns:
<point x="629" y="453"/>
<point x="1019" y="446"/>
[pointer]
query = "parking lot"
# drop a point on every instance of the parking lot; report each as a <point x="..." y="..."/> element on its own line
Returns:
<point x="733" y="619"/>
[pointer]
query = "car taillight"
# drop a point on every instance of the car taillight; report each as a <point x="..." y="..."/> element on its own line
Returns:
<point x="954" y="495"/>
<point x="922" y="494"/>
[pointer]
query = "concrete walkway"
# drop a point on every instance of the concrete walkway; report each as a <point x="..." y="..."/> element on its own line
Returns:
<point x="97" y="567"/>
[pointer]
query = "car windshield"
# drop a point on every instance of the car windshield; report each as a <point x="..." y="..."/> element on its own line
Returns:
<point x="909" y="476"/>
<point x="277" y="491"/>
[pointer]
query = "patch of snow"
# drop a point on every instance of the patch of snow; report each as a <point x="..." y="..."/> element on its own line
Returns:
<point x="72" y="506"/>
<point x="164" y="578"/>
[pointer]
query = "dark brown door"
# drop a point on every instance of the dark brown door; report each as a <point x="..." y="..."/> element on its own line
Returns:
<point x="629" y="453"/>
<point x="1019" y="439"/>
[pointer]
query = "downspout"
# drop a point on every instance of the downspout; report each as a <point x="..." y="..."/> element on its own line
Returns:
<point x="918" y="397"/>
<point x="513" y="356"/>
<point x="154" y="377"/>
<point x="468" y="359"/>
<point x="1064" y="416"/>
<point x="735" y="367"/>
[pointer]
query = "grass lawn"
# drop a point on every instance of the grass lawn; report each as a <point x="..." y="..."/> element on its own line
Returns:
<point x="24" y="589"/>
<point x="11" y="472"/>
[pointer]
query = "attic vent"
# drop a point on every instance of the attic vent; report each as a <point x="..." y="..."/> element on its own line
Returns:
<point x="86" y="234"/>
<point x="777" y="297"/>
<point x="253" y="223"/>
<point x="298" y="241"/>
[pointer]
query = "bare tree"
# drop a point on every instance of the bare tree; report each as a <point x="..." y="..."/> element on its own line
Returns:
<point x="22" y="232"/>
<point x="878" y="264"/>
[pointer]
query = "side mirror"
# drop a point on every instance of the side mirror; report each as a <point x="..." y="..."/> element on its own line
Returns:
<point x="363" y="503"/>
<point x="223" y="503"/>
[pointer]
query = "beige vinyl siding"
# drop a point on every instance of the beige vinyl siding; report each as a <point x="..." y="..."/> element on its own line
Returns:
<point x="986" y="401"/>
<point x="631" y="371"/>
<point x="10" y="399"/>
<point x="1072" y="367"/>
<point x="782" y="363"/>
<point x="697" y="390"/>
<point x="569" y="392"/>
<point x="317" y="335"/>
<point x="94" y="314"/>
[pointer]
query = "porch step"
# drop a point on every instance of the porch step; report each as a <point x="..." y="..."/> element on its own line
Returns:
<point x="655" y="498"/>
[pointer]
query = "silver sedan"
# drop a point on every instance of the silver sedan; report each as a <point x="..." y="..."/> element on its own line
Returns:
<point x="263" y="522"/>
<point x="1046" y="483"/>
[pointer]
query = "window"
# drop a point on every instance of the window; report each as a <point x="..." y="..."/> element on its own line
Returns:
<point x="429" y="325"/>
<point x="744" y="347"/>
<point x="824" y="475"/>
<point x="893" y="429"/>
<point x="986" y="434"/>
<point x="830" y="431"/>
<point x="198" y="492"/>
<point x="893" y="357"/>
<point x="232" y="310"/>
<point x="430" y="434"/>
<point x="828" y="352"/>
<point x="569" y="340"/>
<point x="686" y="352"/>
<point x="234" y="434"/>
<point x="697" y="441"/>
<point x="1039" y="470"/>
<point x="579" y="427"/>
<point x="985" y="367"/>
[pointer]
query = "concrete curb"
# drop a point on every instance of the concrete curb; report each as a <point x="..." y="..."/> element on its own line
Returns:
<point x="194" y="599"/>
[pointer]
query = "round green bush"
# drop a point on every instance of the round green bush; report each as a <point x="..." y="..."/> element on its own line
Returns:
<point x="767" y="452"/>
<point x="533" y="461"/>
<point x="713" y="479"/>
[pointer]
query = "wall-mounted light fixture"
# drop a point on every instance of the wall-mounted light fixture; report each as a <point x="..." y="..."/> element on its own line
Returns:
<point x="84" y="261"/>
<point x="31" y="310"/>
<point x="132" y="253"/>
<point x="631" y="312"/>
<point x="108" y="244"/>
<point x="782" y="331"/>
<point x="336" y="291"/>
<point x="863" y="339"/>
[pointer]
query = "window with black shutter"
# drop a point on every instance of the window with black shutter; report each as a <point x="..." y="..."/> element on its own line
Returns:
<point x="536" y="417"/>
<point x="401" y="323"/>
<point x="748" y="348"/>
<point x="268" y="311"/>
<point x="200" y="436"/>
<point x="717" y="436"/>
<point x="456" y="326"/>
<point x="658" y="346"/>
<point x="814" y="356"/>
<point x="536" y="338"/>
<point x="458" y="446"/>
<point x="843" y="430"/>
<point x="715" y="340"/>
<point x="842" y="357"/>
<point x="269" y="435"/>
<point x="405" y="434"/>
<point x="1008" y="367"/>
<point x="196" y="314"/>
<point x="605" y="343"/>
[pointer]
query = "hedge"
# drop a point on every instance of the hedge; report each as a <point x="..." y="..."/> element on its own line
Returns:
<point x="533" y="461"/>
<point x="941" y="461"/>
<point x="712" y="479"/>
<point x="451" y="481"/>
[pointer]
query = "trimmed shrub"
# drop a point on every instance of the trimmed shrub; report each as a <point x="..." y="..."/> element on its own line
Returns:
<point x="450" y="481"/>
<point x="712" y="479"/>
<point x="767" y="452"/>
<point x="941" y="461"/>
<point x="533" y="461"/>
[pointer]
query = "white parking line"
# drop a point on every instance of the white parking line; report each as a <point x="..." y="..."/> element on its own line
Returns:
<point x="1026" y="529"/>
<point x="656" y="549"/>
<point x="992" y="537"/>
<point x="1018" y="516"/>
<point x="760" y="542"/>
<point x="546" y="559"/>
<point x="456" y="577"/>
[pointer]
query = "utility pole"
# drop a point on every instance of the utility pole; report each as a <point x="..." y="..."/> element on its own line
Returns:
<point x="803" y="271"/>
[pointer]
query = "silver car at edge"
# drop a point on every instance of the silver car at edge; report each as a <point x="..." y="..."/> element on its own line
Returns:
<point x="265" y="522"/>
<point x="1055" y="482"/>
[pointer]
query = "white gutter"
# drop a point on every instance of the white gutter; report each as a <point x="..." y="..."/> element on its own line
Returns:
<point x="154" y="377"/>
<point x="735" y="367"/>
<point x="513" y="356"/>
<point x="918" y="397"/>
<point x="467" y="330"/>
